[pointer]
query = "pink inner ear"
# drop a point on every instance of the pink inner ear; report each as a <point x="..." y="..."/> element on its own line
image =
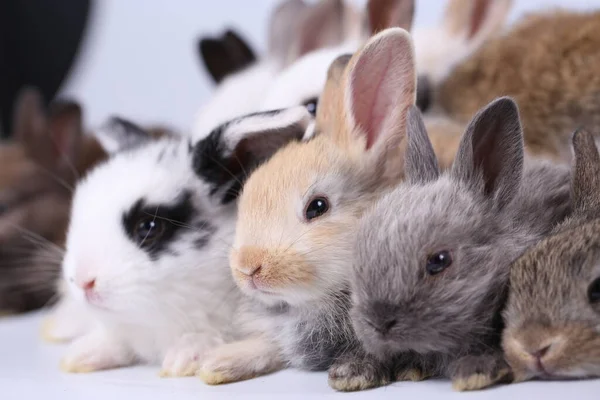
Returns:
<point x="379" y="82"/>
<point x="478" y="14"/>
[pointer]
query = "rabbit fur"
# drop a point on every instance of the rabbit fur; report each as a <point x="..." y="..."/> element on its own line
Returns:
<point x="478" y="216"/>
<point x="552" y="311"/>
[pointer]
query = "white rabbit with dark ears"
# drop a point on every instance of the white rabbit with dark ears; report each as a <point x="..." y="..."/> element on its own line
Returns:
<point x="432" y="262"/>
<point x="146" y="250"/>
<point x="295" y="28"/>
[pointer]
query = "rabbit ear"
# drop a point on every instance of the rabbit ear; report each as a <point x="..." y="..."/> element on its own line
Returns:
<point x="320" y="26"/>
<point x="118" y="134"/>
<point x="490" y="154"/>
<point x="475" y="20"/>
<point x="421" y="165"/>
<point x="226" y="55"/>
<point x="284" y="27"/>
<point x="231" y="151"/>
<point x="52" y="140"/>
<point x="330" y="111"/>
<point x="385" y="14"/>
<point x="586" y="176"/>
<point x="380" y="88"/>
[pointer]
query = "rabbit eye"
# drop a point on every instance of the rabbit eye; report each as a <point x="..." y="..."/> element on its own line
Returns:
<point x="316" y="207"/>
<point x="311" y="105"/>
<point x="594" y="291"/>
<point x="148" y="230"/>
<point x="438" y="262"/>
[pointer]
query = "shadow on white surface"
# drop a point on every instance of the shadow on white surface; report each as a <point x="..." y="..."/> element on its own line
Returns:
<point x="29" y="370"/>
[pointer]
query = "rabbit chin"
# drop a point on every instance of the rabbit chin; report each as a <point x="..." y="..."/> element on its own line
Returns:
<point x="294" y="295"/>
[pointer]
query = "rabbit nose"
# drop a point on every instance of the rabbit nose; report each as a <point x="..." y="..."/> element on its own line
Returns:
<point x="383" y="327"/>
<point x="251" y="270"/>
<point x="88" y="285"/>
<point x="539" y="354"/>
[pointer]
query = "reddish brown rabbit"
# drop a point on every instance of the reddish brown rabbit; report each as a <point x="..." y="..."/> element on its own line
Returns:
<point x="547" y="63"/>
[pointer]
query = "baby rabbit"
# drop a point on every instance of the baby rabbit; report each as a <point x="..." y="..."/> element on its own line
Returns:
<point x="546" y="64"/>
<point x="48" y="153"/>
<point x="553" y="308"/>
<point x="466" y="25"/>
<point x="432" y="258"/>
<point x="149" y="261"/>
<point x="295" y="28"/>
<point x="297" y="219"/>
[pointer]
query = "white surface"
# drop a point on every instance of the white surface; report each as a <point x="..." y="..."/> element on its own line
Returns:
<point x="140" y="58"/>
<point x="29" y="370"/>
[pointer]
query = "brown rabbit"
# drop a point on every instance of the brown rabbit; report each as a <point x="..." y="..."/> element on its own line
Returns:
<point x="546" y="63"/>
<point x="38" y="171"/>
<point x="553" y="310"/>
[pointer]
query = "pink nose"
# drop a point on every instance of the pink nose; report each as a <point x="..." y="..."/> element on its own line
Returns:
<point x="88" y="286"/>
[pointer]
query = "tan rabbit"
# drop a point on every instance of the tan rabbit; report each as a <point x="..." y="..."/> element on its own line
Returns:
<point x="547" y="63"/>
<point x="297" y="217"/>
<point x="553" y="310"/>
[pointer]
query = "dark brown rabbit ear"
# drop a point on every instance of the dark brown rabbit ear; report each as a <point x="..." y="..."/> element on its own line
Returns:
<point x="420" y="161"/>
<point x="385" y="14"/>
<point x="225" y="55"/>
<point x="51" y="140"/>
<point x="490" y="155"/>
<point x="586" y="175"/>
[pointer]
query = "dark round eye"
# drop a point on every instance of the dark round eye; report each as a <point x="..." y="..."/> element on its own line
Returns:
<point x="311" y="105"/>
<point x="147" y="230"/>
<point x="438" y="262"/>
<point x="316" y="207"/>
<point x="594" y="291"/>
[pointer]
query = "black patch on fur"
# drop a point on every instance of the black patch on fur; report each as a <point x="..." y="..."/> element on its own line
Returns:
<point x="224" y="168"/>
<point x="173" y="217"/>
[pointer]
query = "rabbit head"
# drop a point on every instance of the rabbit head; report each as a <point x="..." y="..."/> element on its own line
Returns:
<point x="432" y="257"/>
<point x="48" y="154"/>
<point x="150" y="228"/>
<point x="552" y="315"/>
<point x="298" y="212"/>
<point x="296" y="28"/>
<point x="303" y="81"/>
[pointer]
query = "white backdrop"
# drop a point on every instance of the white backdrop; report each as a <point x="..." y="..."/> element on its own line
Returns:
<point x="139" y="58"/>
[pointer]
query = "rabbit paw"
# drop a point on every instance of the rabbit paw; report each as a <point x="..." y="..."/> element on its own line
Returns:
<point x="183" y="359"/>
<point x="66" y="323"/>
<point x="414" y="374"/>
<point x="93" y="352"/>
<point x="239" y="361"/>
<point x="360" y="373"/>
<point x="480" y="372"/>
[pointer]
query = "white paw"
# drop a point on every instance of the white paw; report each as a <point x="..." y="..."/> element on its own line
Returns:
<point x="222" y="366"/>
<point x="66" y="322"/>
<point x="184" y="358"/>
<point x="94" y="352"/>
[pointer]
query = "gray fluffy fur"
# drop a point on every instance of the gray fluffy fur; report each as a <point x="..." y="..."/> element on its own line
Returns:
<point x="486" y="211"/>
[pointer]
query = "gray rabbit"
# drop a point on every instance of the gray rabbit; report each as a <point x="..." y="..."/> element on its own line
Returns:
<point x="431" y="272"/>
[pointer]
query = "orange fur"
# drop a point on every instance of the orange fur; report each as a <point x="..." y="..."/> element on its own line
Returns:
<point x="300" y="259"/>
<point x="547" y="64"/>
